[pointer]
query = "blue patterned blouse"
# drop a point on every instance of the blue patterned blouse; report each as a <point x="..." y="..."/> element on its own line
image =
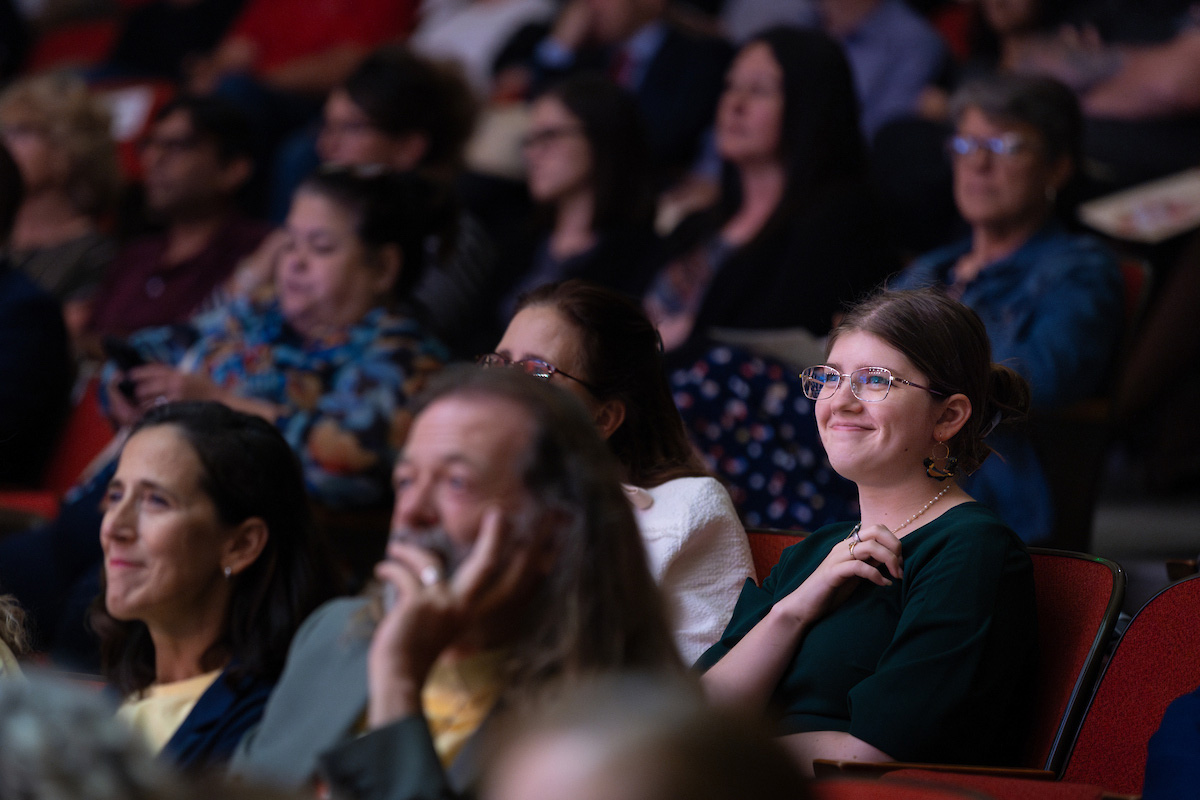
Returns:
<point x="345" y="397"/>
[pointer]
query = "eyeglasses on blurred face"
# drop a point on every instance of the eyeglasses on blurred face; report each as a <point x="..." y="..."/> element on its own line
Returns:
<point x="530" y="366"/>
<point x="1006" y="145"/>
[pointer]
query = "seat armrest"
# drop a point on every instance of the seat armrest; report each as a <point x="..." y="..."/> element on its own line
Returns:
<point x="824" y="768"/>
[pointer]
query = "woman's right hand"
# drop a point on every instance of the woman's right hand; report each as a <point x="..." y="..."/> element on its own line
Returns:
<point x="838" y="574"/>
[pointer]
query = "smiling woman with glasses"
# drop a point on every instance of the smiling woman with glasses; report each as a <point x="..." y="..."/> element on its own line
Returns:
<point x="1050" y="298"/>
<point x="600" y="347"/>
<point x="910" y="634"/>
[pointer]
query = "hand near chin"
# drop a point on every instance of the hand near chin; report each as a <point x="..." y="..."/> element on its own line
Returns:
<point x="431" y="613"/>
<point x="841" y="571"/>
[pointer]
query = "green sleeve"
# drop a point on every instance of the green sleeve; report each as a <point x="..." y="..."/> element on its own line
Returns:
<point x="795" y="564"/>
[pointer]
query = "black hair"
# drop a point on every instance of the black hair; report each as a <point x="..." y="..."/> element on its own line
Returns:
<point x="12" y="193"/>
<point x="389" y="208"/>
<point x="247" y="470"/>
<point x="623" y="360"/>
<point x="403" y="93"/>
<point x="216" y="120"/>
<point x="616" y="135"/>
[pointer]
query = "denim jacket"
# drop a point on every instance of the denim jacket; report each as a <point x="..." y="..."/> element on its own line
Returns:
<point x="1053" y="311"/>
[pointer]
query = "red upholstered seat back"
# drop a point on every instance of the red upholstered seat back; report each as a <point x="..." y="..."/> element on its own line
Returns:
<point x="996" y="788"/>
<point x="767" y="545"/>
<point x="1157" y="660"/>
<point x="1078" y="600"/>
<point x="869" y="789"/>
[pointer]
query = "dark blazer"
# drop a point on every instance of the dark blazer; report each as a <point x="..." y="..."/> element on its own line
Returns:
<point x="218" y="722"/>
<point x="35" y="377"/>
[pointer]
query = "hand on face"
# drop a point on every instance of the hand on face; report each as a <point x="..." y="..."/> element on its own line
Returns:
<point x="837" y="576"/>
<point x="433" y="610"/>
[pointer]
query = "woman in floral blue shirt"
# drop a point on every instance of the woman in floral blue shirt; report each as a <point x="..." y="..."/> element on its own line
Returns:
<point x="325" y="358"/>
<point x="329" y="359"/>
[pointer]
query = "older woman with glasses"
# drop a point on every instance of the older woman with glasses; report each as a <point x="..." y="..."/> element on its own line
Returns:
<point x="1051" y="299"/>
<point x="600" y="346"/>
<point x="911" y="634"/>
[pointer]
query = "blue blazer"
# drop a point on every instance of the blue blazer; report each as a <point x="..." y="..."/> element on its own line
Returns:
<point x="217" y="723"/>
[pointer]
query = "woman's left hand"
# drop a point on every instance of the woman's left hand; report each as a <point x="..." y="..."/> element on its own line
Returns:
<point x="157" y="384"/>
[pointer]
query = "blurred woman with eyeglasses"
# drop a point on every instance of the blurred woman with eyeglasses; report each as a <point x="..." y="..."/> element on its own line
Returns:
<point x="1051" y="299"/>
<point x="588" y="170"/>
<point x="600" y="346"/>
<point x="911" y="634"/>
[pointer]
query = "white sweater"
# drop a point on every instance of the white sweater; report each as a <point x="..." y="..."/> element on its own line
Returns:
<point x="698" y="554"/>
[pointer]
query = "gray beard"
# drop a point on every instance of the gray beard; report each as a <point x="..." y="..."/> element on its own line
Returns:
<point x="436" y="541"/>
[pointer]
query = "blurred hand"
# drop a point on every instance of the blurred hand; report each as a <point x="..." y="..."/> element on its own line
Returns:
<point x="156" y="384"/>
<point x="431" y="612"/>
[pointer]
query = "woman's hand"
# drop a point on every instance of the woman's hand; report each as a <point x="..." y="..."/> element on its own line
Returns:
<point x="748" y="674"/>
<point x="431" y="613"/>
<point x="122" y="412"/>
<point x="837" y="576"/>
<point x="258" y="269"/>
<point x="157" y="384"/>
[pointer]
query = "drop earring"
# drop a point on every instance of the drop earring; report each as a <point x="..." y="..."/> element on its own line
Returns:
<point x="948" y="466"/>
<point x="228" y="573"/>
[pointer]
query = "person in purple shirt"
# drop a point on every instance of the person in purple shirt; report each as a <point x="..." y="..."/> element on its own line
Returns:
<point x="893" y="52"/>
<point x="196" y="160"/>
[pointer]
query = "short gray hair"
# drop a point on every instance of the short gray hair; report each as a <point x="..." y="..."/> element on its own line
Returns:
<point x="1044" y="103"/>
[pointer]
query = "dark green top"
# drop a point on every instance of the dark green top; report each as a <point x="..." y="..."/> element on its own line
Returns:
<point x="935" y="667"/>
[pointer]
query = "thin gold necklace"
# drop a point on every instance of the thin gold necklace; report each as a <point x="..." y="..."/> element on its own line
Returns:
<point x="906" y="522"/>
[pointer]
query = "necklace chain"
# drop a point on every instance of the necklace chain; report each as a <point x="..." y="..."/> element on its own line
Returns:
<point x="924" y="508"/>
<point x="903" y="525"/>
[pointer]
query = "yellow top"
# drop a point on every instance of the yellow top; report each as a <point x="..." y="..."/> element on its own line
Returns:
<point x="158" y="711"/>
<point x="458" y="696"/>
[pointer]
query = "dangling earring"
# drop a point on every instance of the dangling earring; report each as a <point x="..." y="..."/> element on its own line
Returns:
<point x="228" y="573"/>
<point x="946" y="469"/>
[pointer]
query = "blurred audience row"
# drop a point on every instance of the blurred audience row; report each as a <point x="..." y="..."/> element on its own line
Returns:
<point x="734" y="193"/>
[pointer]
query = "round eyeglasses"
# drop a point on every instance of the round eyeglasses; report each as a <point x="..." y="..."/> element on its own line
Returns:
<point x="869" y="384"/>
<point x="530" y="366"/>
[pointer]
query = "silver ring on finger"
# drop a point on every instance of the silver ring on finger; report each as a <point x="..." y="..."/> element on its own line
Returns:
<point x="430" y="575"/>
<point x="161" y="400"/>
<point x="853" y="539"/>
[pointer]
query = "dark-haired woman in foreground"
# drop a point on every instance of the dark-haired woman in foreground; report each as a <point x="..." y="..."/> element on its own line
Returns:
<point x="910" y="635"/>
<point x="210" y="565"/>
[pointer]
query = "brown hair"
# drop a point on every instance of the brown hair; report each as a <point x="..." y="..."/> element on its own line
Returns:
<point x="622" y="359"/>
<point x="948" y="343"/>
<point x="599" y="610"/>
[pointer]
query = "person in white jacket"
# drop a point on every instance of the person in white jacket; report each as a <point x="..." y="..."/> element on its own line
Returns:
<point x="601" y="347"/>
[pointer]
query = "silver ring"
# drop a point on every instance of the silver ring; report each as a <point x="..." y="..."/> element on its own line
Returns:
<point x="430" y="575"/>
<point x="161" y="400"/>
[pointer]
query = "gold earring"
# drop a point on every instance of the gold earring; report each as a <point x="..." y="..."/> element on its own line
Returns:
<point x="948" y="466"/>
